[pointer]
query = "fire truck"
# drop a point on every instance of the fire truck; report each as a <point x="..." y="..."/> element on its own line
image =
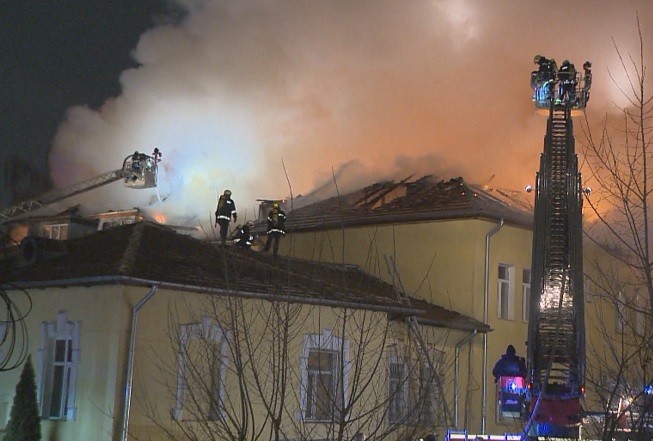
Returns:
<point x="548" y="399"/>
<point x="556" y="330"/>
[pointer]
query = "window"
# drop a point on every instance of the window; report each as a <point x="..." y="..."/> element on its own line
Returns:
<point x="526" y="293"/>
<point x="506" y="292"/>
<point x="588" y="290"/>
<point x="58" y="358"/>
<point x="428" y="392"/>
<point x="397" y="386"/>
<point x="621" y="313"/>
<point x="56" y="231"/>
<point x="428" y="396"/>
<point x="641" y="308"/>
<point x="107" y="224"/>
<point x="201" y="372"/>
<point x="324" y="367"/>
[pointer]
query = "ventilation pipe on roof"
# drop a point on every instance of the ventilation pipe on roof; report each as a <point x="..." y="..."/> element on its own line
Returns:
<point x="130" y="361"/>
<point x="486" y="293"/>
<point x="456" y="381"/>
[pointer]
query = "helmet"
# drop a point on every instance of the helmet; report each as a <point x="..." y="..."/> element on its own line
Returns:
<point x="537" y="58"/>
<point x="275" y="205"/>
<point x="565" y="63"/>
<point x="227" y="193"/>
<point x="587" y="65"/>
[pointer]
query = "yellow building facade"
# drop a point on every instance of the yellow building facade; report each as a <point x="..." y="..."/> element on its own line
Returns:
<point x="457" y="246"/>
<point x="142" y="333"/>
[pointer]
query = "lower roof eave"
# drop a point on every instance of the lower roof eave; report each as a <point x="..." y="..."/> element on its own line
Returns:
<point x="516" y="220"/>
<point x="134" y="281"/>
<point x="483" y="329"/>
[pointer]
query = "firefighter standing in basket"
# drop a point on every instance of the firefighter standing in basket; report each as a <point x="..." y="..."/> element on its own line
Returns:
<point x="276" y="228"/>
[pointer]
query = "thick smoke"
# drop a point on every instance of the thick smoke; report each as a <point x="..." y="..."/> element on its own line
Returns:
<point x="272" y="97"/>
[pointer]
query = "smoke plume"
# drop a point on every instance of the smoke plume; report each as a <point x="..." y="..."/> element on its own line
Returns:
<point x="272" y="97"/>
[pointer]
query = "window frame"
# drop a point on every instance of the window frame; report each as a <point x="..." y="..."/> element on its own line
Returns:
<point x="324" y="343"/>
<point x="54" y="231"/>
<point x="398" y="387"/>
<point x="210" y="332"/>
<point x="620" y="313"/>
<point x="526" y="294"/>
<point x="509" y="283"/>
<point x="641" y="305"/>
<point x="50" y="333"/>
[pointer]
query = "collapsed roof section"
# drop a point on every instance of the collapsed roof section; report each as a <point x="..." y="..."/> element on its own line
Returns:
<point x="425" y="199"/>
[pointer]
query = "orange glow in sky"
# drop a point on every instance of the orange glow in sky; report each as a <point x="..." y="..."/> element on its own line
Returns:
<point x="273" y="98"/>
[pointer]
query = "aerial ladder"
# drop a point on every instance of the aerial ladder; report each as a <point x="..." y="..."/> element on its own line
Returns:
<point x="138" y="171"/>
<point x="556" y="329"/>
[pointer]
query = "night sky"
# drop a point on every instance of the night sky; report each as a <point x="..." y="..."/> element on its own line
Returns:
<point x="253" y="95"/>
<point x="56" y="54"/>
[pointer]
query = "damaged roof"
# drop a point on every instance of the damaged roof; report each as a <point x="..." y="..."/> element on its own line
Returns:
<point x="425" y="199"/>
<point x="147" y="253"/>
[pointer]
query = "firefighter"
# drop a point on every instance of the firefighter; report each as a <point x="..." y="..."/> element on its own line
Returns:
<point x="587" y="81"/>
<point x="276" y="228"/>
<point x="509" y="364"/>
<point x="223" y="214"/>
<point x="156" y="155"/>
<point x="244" y="237"/>
<point x="542" y="78"/>
<point x="567" y="85"/>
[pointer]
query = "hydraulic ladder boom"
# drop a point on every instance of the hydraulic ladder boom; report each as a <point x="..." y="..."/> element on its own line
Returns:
<point x="556" y="334"/>
<point x="138" y="171"/>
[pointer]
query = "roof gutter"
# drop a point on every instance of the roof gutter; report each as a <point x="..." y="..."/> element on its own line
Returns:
<point x="486" y="294"/>
<point x="97" y="280"/>
<point x="130" y="362"/>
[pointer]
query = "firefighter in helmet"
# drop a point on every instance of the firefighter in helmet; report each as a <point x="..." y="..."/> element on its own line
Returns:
<point x="544" y="76"/>
<point x="509" y="364"/>
<point x="567" y="85"/>
<point x="276" y="228"/>
<point x="587" y="81"/>
<point x="244" y="237"/>
<point x="223" y="213"/>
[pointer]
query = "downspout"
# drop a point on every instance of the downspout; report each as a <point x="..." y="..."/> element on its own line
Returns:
<point x="456" y="381"/>
<point x="485" y="320"/>
<point x="130" y="361"/>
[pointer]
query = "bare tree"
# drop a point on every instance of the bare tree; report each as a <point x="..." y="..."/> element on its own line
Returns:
<point x="251" y="369"/>
<point x="619" y="164"/>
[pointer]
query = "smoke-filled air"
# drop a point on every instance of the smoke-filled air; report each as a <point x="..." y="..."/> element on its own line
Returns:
<point x="273" y="98"/>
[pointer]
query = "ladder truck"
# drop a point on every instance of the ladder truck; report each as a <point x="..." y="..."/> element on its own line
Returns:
<point x="556" y="329"/>
<point x="138" y="171"/>
<point x="555" y="382"/>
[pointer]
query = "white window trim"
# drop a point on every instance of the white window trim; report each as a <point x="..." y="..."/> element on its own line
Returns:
<point x="394" y="358"/>
<point x="526" y="294"/>
<point x="435" y="377"/>
<point x="620" y="313"/>
<point x="641" y="304"/>
<point x="511" y="291"/>
<point x="588" y="290"/>
<point x="204" y="330"/>
<point x="329" y="342"/>
<point x="53" y="231"/>
<point x="60" y="329"/>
